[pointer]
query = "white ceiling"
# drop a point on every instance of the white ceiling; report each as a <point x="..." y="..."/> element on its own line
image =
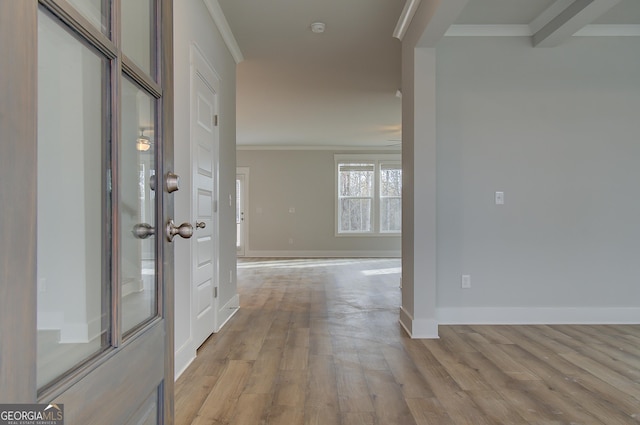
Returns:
<point x="298" y="88"/>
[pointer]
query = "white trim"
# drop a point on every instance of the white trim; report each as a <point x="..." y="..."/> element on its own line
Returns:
<point x="183" y="357"/>
<point x="592" y="30"/>
<point x="393" y="148"/>
<point x="199" y="64"/>
<point x="225" y="30"/>
<point x="595" y="30"/>
<point x="418" y="329"/>
<point x="405" y="19"/>
<point x="489" y="31"/>
<point x="81" y="332"/>
<point x="322" y="254"/>
<point x="228" y="311"/>
<point x="537" y="315"/>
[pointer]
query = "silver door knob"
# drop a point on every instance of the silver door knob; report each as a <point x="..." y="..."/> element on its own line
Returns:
<point x="200" y="224"/>
<point x="185" y="230"/>
<point x="143" y="230"/>
<point x="172" y="181"/>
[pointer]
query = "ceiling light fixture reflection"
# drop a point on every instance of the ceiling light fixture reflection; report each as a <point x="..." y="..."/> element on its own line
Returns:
<point x="143" y="143"/>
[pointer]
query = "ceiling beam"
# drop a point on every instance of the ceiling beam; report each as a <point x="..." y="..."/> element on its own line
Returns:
<point x="445" y="15"/>
<point x="564" y="18"/>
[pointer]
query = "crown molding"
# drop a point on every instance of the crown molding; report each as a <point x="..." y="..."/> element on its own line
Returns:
<point x="592" y="30"/>
<point x="225" y="30"/>
<point x="406" y="16"/>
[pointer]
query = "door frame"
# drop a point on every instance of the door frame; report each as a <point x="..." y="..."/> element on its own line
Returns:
<point x="18" y="106"/>
<point x="18" y="231"/>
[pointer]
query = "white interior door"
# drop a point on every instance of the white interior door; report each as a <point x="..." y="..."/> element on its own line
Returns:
<point x="242" y="216"/>
<point x="204" y="142"/>
<point x="87" y="305"/>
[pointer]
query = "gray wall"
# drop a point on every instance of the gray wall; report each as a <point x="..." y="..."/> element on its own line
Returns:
<point x="558" y="130"/>
<point x="304" y="180"/>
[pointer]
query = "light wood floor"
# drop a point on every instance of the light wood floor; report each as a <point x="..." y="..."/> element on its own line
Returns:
<point x="318" y="342"/>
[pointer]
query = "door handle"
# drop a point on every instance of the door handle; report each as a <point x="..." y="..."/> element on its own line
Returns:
<point x="200" y="224"/>
<point x="185" y="230"/>
<point x="143" y="230"/>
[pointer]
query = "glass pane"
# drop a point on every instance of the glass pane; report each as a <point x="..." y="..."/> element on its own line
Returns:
<point x="355" y="215"/>
<point x="73" y="222"/>
<point x="138" y="42"/>
<point x="137" y="207"/>
<point x="95" y="11"/>
<point x="391" y="182"/>
<point x="356" y="179"/>
<point x="390" y="214"/>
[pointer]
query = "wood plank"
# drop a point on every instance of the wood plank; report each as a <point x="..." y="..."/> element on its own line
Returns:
<point x="251" y="409"/>
<point x="221" y="404"/>
<point x="285" y="415"/>
<point x="352" y="388"/>
<point x="429" y="411"/>
<point x="291" y="389"/>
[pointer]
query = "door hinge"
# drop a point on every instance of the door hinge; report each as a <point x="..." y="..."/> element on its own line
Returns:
<point x="215" y="120"/>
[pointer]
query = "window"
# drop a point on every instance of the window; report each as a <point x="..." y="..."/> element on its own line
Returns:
<point x="369" y="194"/>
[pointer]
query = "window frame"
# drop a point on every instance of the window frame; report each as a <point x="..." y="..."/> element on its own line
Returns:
<point x="377" y="160"/>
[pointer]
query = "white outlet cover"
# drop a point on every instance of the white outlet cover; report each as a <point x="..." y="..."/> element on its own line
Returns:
<point x="465" y="282"/>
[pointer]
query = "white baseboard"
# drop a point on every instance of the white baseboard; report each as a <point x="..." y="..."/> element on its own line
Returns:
<point x="228" y="310"/>
<point x="80" y="332"/>
<point x="418" y="328"/>
<point x="183" y="357"/>
<point x="322" y="254"/>
<point x="537" y="315"/>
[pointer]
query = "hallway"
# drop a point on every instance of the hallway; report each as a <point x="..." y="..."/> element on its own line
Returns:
<point x="318" y="342"/>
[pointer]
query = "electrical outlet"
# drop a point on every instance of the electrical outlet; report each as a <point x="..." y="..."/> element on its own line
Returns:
<point x="465" y="282"/>
<point x="499" y="198"/>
